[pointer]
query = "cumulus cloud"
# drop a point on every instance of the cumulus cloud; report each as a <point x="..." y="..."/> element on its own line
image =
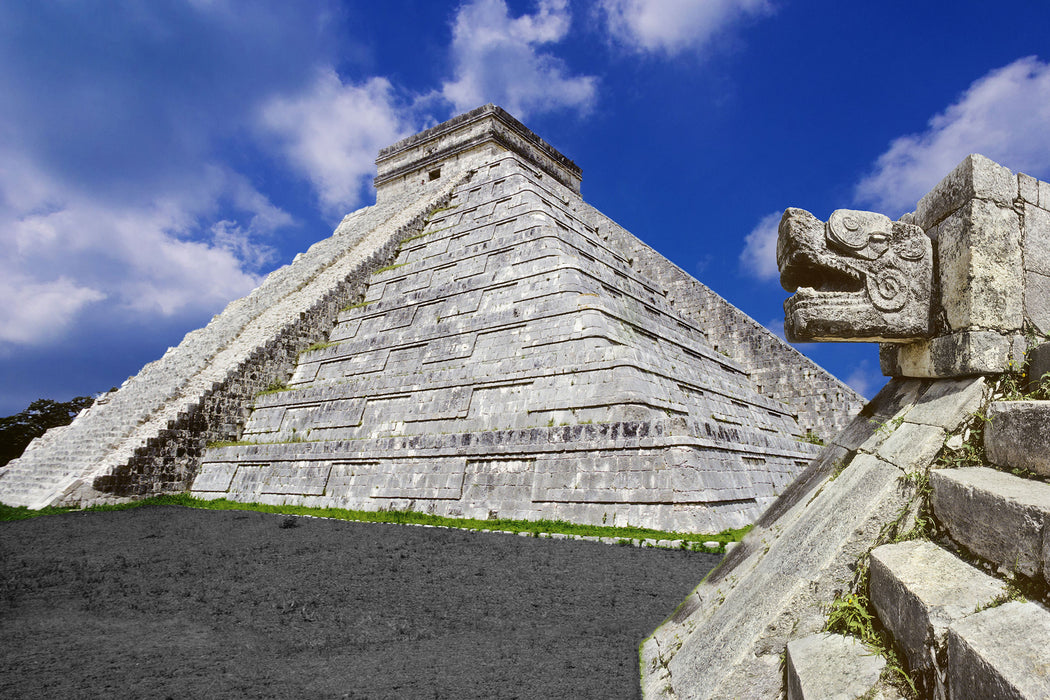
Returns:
<point x="498" y="58"/>
<point x="114" y="199"/>
<point x="1004" y="115"/>
<point x="331" y="132"/>
<point x="759" y="257"/>
<point x="673" y="26"/>
<point x="66" y="250"/>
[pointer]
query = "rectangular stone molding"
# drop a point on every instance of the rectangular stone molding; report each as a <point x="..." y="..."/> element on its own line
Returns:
<point x="830" y="665"/>
<point x="962" y="354"/>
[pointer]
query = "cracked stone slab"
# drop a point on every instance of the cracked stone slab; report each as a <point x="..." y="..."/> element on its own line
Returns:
<point x="830" y="666"/>
<point x="1000" y="653"/>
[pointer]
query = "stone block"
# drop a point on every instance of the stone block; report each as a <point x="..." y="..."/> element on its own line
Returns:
<point x="1036" y="239"/>
<point x="912" y="445"/>
<point x="1044" y="194"/>
<point x="962" y="354"/>
<point x="1018" y="435"/>
<point x="830" y="666"/>
<point x="976" y="177"/>
<point x="1038" y="365"/>
<point x="995" y="515"/>
<point x="1037" y="300"/>
<point x="980" y="267"/>
<point x="919" y="589"/>
<point x="1028" y="188"/>
<point x="1000" y="653"/>
<point x="947" y="403"/>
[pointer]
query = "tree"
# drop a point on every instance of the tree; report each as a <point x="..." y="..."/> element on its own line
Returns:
<point x="17" y="431"/>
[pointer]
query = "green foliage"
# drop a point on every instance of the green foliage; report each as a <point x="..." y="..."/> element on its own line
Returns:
<point x="853" y="615"/>
<point x="536" y="527"/>
<point x="227" y="443"/>
<point x="387" y="268"/>
<point x="17" y="431"/>
<point x="850" y="615"/>
<point x="359" y="305"/>
<point x="276" y="386"/>
<point x="812" y="438"/>
<point x="318" y="346"/>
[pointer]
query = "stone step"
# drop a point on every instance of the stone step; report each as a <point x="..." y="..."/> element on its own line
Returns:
<point x="997" y="516"/>
<point x="1002" y="652"/>
<point x="830" y="666"/>
<point x="1018" y="435"/>
<point x="918" y="590"/>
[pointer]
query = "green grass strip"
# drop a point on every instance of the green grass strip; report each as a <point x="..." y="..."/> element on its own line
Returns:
<point x="692" y="541"/>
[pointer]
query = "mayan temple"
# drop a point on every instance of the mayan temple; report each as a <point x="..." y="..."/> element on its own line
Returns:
<point x="479" y="343"/>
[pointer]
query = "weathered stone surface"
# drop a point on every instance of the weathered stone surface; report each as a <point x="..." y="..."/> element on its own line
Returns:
<point x="1000" y="653"/>
<point x="966" y="353"/>
<point x="825" y="666"/>
<point x="1028" y="188"/>
<point x="1018" y="435"/>
<point x="947" y="403"/>
<point x="912" y="446"/>
<point x="859" y="277"/>
<point x="726" y="637"/>
<point x="1036" y="239"/>
<point x="995" y="515"/>
<point x="1038" y="365"/>
<point x="976" y="177"/>
<point x="1037" y="300"/>
<point x="980" y="267"/>
<point x="918" y="590"/>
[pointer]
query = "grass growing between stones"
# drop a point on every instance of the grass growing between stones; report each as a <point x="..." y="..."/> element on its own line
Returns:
<point x="537" y="528"/>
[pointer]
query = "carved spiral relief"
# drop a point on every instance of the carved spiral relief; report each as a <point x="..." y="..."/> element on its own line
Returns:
<point x="888" y="289"/>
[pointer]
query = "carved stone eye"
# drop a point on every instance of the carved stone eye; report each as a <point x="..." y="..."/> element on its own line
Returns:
<point x="850" y="228"/>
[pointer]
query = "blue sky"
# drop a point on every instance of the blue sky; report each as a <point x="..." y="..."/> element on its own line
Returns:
<point x="158" y="158"/>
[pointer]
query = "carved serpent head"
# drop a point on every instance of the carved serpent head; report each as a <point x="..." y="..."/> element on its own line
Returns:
<point x="859" y="277"/>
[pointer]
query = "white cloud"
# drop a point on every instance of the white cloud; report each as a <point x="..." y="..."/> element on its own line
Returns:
<point x="66" y="250"/>
<point x="759" y="256"/>
<point x="673" y="26"/>
<point x="35" y="311"/>
<point x="331" y="133"/>
<point x="497" y="59"/>
<point x="1004" y="115"/>
<point x="864" y="381"/>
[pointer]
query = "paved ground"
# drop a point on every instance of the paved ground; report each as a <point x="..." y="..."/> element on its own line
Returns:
<point x="171" y="602"/>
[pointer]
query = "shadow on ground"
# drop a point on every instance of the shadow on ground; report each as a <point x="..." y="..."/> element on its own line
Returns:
<point x="172" y="602"/>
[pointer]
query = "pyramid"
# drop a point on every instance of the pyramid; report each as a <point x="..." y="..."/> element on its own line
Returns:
<point x="480" y="343"/>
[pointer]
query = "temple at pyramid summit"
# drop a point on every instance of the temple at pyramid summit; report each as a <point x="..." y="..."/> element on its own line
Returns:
<point x="479" y="343"/>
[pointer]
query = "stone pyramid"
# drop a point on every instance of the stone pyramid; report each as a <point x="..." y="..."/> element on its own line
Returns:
<point x="482" y="343"/>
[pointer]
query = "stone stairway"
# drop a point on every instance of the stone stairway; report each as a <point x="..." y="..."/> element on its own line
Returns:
<point x="965" y="634"/>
